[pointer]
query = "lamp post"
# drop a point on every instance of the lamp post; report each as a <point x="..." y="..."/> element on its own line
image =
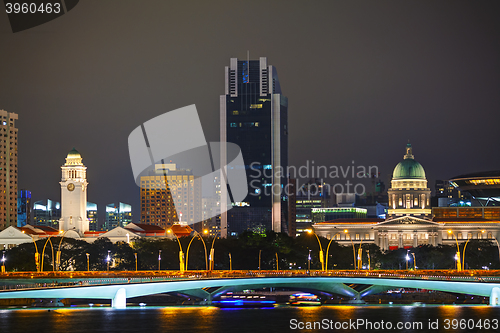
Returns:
<point x="328" y="249"/>
<point x="230" y="263"/>
<point x="43" y="254"/>
<point x="260" y="251"/>
<point x="414" y="261"/>
<point x="463" y="256"/>
<point x="58" y="253"/>
<point x="37" y="255"/>
<point x="309" y="261"/>
<point x="321" y="257"/>
<point x="277" y="262"/>
<point x="196" y="234"/>
<point x="3" y="262"/>
<point x="212" y="254"/>
<point x="135" y="255"/>
<point x="88" y="261"/>
<point x="181" y="254"/>
<point x="108" y="258"/>
<point x="459" y="265"/>
<point x="407" y="258"/>
<point x="159" y="259"/>
<point x="360" y="255"/>
<point x="369" y="262"/>
<point x="353" y="248"/>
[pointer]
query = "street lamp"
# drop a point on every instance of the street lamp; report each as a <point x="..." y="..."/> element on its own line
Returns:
<point x="353" y="248"/>
<point x="260" y="252"/>
<point x="159" y="259"/>
<point x="43" y="253"/>
<point x="88" y="261"/>
<point x="196" y="234"/>
<point x="414" y="261"/>
<point x="3" y="262"/>
<point x="459" y="265"/>
<point x="369" y="263"/>
<point x="181" y="254"/>
<point x="321" y="257"/>
<point x="309" y="261"/>
<point x="37" y="255"/>
<point x="230" y="263"/>
<point x="108" y="258"/>
<point x="407" y="258"/>
<point x="135" y="254"/>
<point x="277" y="262"/>
<point x="58" y="253"/>
<point x="463" y="256"/>
<point x="328" y="249"/>
<point x="211" y="258"/>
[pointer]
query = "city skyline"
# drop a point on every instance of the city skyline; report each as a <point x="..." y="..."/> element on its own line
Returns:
<point x="384" y="73"/>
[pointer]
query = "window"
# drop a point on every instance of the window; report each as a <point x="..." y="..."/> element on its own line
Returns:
<point x="347" y="236"/>
<point x="357" y="236"/>
<point x="459" y="235"/>
<point x="235" y="113"/>
<point x="367" y="236"/>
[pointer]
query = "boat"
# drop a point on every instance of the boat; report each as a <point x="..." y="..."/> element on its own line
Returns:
<point x="253" y="300"/>
<point x="304" y="299"/>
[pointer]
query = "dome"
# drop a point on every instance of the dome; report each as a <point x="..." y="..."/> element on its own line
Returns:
<point x="74" y="154"/>
<point x="408" y="168"/>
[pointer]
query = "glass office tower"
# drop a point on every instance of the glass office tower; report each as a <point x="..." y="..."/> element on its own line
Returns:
<point x="253" y="115"/>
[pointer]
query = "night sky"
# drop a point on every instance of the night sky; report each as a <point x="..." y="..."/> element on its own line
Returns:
<point x="361" y="77"/>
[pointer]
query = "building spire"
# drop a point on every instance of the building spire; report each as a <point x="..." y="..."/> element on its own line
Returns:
<point x="409" y="152"/>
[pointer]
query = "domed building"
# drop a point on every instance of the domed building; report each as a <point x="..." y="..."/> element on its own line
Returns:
<point x="409" y="194"/>
<point x="410" y="221"/>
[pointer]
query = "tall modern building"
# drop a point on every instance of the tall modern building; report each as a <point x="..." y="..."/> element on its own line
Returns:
<point x="168" y="192"/>
<point x="92" y="216"/>
<point x="117" y="215"/>
<point x="8" y="169"/>
<point x="23" y="208"/>
<point x="46" y="213"/>
<point x="254" y="115"/>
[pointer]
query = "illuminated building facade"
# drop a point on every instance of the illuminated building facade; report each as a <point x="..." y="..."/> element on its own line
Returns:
<point x="254" y="115"/>
<point x="117" y="215"/>
<point x="409" y="195"/>
<point x="92" y="216"/>
<point x="411" y="222"/>
<point x="483" y="186"/>
<point x="8" y="169"/>
<point x="169" y="192"/>
<point x="74" y="194"/>
<point x="47" y="213"/>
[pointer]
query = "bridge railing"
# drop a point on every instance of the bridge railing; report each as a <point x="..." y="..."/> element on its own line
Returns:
<point x="200" y="275"/>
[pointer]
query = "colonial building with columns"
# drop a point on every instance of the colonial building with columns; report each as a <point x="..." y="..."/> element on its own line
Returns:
<point x="410" y="220"/>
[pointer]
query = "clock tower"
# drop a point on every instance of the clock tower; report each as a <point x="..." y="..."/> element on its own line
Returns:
<point x="74" y="194"/>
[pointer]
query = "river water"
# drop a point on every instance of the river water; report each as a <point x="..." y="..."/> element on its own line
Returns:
<point x="339" y="318"/>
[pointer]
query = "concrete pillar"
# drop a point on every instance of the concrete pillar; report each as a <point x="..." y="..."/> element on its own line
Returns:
<point x="386" y="240"/>
<point x="400" y="243"/>
<point x="495" y="296"/>
<point x="120" y="299"/>
<point x="415" y="239"/>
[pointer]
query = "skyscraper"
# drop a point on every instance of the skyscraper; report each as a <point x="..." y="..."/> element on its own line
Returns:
<point x="23" y="208"/>
<point x="168" y="192"/>
<point x="254" y="115"/>
<point x="92" y="216"/>
<point x="117" y="215"/>
<point x="46" y="213"/>
<point x="8" y="169"/>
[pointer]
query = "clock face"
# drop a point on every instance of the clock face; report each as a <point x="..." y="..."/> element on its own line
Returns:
<point x="71" y="187"/>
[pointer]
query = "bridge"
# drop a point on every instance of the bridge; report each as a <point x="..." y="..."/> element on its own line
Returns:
<point x="209" y="284"/>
